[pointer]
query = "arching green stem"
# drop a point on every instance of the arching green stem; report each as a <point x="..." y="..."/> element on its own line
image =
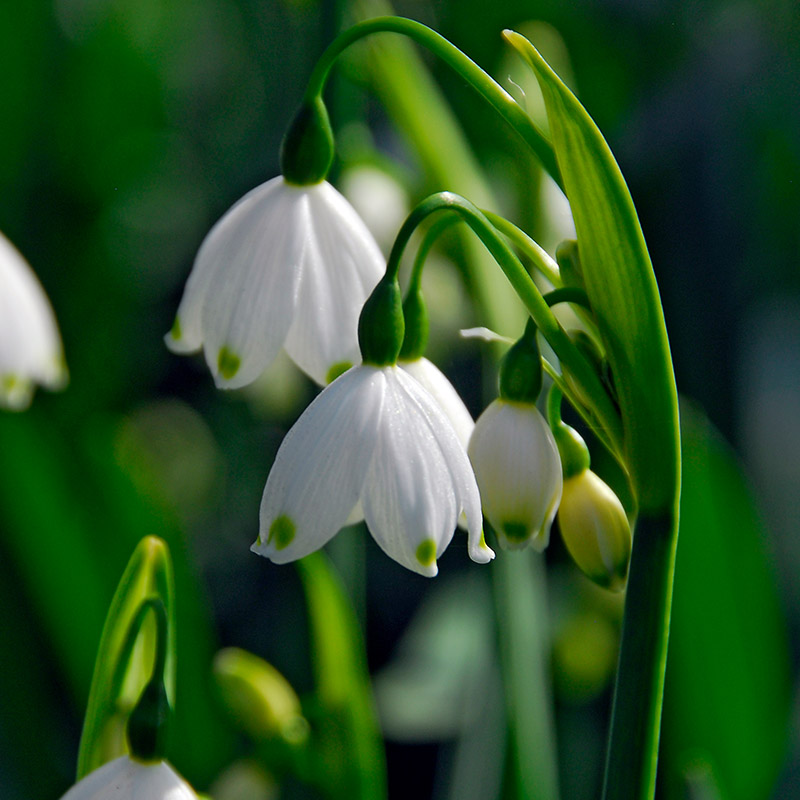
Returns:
<point x="603" y="408"/>
<point x="538" y="256"/>
<point x="482" y="82"/>
<point x="568" y="294"/>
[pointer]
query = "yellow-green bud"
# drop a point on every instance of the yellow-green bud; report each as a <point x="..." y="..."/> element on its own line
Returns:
<point x="595" y="529"/>
<point x="259" y="698"/>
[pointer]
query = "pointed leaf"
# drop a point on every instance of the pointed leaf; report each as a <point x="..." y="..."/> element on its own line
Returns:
<point x="121" y="671"/>
<point x="621" y="287"/>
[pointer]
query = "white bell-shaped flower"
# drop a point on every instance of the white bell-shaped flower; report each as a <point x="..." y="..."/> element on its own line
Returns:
<point x="287" y="266"/>
<point x="443" y="392"/>
<point x="30" y="346"/>
<point x="518" y="469"/>
<point x="375" y="437"/>
<point x="126" y="778"/>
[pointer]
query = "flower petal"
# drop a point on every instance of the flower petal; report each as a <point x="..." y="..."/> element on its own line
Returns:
<point x="127" y="779"/>
<point x="341" y="266"/>
<point x="419" y="479"/>
<point x="30" y="346"/>
<point x="442" y="391"/>
<point x="317" y="476"/>
<point x="240" y="298"/>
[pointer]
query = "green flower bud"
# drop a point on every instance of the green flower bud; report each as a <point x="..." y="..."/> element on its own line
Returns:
<point x="381" y="327"/>
<point x="521" y="369"/>
<point x="415" y="316"/>
<point x="595" y="529"/>
<point x="307" y="147"/>
<point x="260" y="699"/>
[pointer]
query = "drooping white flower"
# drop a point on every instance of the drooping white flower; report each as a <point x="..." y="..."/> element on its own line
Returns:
<point x="287" y="266"/>
<point x="518" y="469"/>
<point x="443" y="392"/>
<point x="125" y="778"/>
<point x="30" y="346"/>
<point x="375" y="437"/>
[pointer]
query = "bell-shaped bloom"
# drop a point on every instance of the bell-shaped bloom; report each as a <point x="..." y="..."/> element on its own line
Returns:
<point x="30" y="347"/>
<point x="373" y="437"/>
<point x="443" y="392"/>
<point x="125" y="778"/>
<point x="595" y="529"/>
<point x="287" y="266"/>
<point x="518" y="468"/>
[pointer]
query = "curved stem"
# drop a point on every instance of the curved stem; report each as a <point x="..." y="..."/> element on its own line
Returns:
<point x="481" y="81"/>
<point x="431" y="235"/>
<point x="539" y="257"/>
<point x="568" y="294"/>
<point x="570" y="357"/>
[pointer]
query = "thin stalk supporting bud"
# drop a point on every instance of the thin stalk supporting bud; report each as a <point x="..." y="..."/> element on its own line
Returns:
<point x="148" y="722"/>
<point x="484" y="84"/>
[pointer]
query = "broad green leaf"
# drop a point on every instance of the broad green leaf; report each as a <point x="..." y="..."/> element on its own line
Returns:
<point x="351" y="758"/>
<point x="727" y="694"/>
<point x="120" y="672"/>
<point x="621" y="286"/>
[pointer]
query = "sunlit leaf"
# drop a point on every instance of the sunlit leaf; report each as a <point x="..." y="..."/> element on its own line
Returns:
<point x="621" y="286"/>
<point x="119" y="674"/>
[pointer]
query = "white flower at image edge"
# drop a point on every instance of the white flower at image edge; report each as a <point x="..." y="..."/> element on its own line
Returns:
<point x="373" y="437"/>
<point x="30" y="346"/>
<point x="287" y="266"/>
<point x="126" y="778"/>
<point x="518" y="469"/>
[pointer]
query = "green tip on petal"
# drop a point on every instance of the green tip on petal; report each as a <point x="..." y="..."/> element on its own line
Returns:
<point x="281" y="532"/>
<point x="228" y="363"/>
<point x="426" y="552"/>
<point x="516" y="532"/>
<point x="175" y="330"/>
<point x="337" y="369"/>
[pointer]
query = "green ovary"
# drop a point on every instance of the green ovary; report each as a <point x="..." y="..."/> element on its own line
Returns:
<point x="281" y="532"/>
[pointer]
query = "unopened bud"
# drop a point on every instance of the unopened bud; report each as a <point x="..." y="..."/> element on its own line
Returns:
<point x="259" y="697"/>
<point x="595" y="529"/>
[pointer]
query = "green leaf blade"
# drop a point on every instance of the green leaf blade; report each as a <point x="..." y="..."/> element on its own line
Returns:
<point x="621" y="287"/>
<point x="119" y="676"/>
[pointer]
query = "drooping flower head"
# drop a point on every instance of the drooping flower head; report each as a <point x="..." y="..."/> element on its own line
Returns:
<point x="289" y="265"/>
<point x="374" y="438"/>
<point x="30" y="346"/>
<point x="127" y="778"/>
<point x="514" y="454"/>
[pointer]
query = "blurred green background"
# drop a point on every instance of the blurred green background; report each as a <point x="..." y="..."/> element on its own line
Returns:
<point x="130" y="126"/>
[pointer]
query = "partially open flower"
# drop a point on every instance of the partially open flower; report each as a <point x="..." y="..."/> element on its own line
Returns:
<point x="287" y="266"/>
<point x="595" y="529"/>
<point x="373" y="436"/>
<point x="126" y="778"/>
<point x="518" y="470"/>
<point x="30" y="347"/>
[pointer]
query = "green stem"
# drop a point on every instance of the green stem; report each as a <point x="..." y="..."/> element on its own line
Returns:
<point x="431" y="235"/>
<point x="482" y="82"/>
<point x="570" y="357"/>
<point x="538" y="256"/>
<point x="520" y="592"/>
<point x="568" y="294"/>
<point x="636" y="717"/>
